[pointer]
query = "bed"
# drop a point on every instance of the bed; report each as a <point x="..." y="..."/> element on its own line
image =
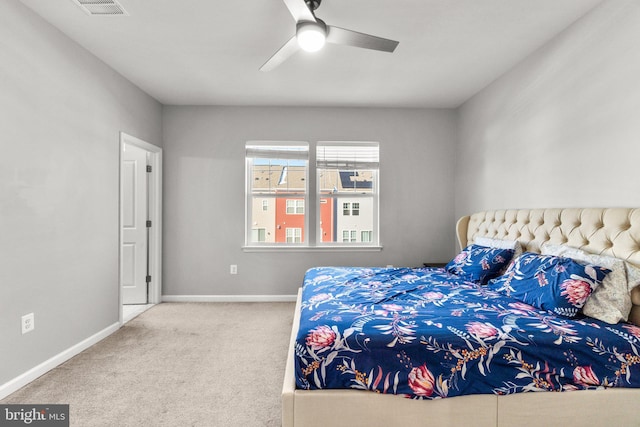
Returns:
<point x="611" y="232"/>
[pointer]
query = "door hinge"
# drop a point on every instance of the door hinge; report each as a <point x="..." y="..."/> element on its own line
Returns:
<point x="149" y="168"/>
<point x="148" y="223"/>
<point x="148" y="279"/>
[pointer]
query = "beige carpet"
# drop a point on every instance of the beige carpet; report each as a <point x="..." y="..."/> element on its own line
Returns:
<point x="177" y="364"/>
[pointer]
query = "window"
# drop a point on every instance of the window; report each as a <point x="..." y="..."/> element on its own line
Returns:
<point x="349" y="235"/>
<point x="295" y="207"/>
<point x="276" y="192"/>
<point x="294" y="235"/>
<point x="258" y="235"/>
<point x="344" y="206"/>
<point x="351" y="209"/>
<point x="347" y="179"/>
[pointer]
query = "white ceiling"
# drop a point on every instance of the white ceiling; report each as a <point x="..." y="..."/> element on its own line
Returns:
<point x="208" y="52"/>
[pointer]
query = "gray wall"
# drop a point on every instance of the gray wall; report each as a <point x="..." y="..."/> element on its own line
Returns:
<point x="205" y="185"/>
<point x="61" y="111"/>
<point x="548" y="133"/>
<point x="562" y="129"/>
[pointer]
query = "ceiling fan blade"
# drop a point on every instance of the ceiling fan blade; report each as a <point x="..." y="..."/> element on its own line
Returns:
<point x="299" y="10"/>
<point x="339" y="35"/>
<point x="288" y="49"/>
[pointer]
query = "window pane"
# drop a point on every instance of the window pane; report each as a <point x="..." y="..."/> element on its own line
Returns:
<point x="263" y="221"/>
<point x="276" y="177"/>
<point x="347" y="174"/>
<point x="277" y="168"/>
<point x="347" y="167"/>
<point x="345" y="207"/>
<point x="333" y="181"/>
<point x="279" y="215"/>
<point x="346" y="216"/>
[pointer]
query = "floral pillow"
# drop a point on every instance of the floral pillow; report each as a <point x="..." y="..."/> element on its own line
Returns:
<point x="499" y="243"/>
<point x="611" y="301"/>
<point x="479" y="263"/>
<point x="552" y="283"/>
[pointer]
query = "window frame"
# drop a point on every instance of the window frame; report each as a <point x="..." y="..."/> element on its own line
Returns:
<point x="261" y="150"/>
<point x="353" y="197"/>
<point x="311" y="201"/>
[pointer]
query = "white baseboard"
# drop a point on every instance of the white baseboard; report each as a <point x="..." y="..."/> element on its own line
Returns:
<point x="228" y="298"/>
<point x="20" y="381"/>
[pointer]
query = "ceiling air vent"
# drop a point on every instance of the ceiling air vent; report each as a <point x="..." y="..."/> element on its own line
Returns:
<point x="101" y="7"/>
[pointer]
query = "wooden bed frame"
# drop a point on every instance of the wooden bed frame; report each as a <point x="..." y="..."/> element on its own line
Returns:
<point x="607" y="231"/>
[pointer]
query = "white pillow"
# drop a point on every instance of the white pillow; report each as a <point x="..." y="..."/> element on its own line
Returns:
<point x="633" y="282"/>
<point x="611" y="301"/>
<point x="633" y="276"/>
<point x="496" y="243"/>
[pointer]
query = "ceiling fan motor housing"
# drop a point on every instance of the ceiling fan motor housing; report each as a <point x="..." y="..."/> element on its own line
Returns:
<point x="304" y="25"/>
<point x="313" y="4"/>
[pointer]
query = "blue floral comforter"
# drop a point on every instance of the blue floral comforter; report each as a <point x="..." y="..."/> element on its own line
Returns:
<point x="427" y="334"/>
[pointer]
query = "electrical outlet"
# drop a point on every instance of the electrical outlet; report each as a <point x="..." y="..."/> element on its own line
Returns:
<point x="28" y="323"/>
<point x="389" y="266"/>
<point x="233" y="269"/>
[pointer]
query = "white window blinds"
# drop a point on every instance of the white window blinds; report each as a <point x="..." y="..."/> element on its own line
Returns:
<point x="346" y="156"/>
<point x="298" y="151"/>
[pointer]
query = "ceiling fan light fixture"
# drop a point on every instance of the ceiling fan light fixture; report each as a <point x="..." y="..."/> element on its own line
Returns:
<point x="312" y="33"/>
<point x="311" y="36"/>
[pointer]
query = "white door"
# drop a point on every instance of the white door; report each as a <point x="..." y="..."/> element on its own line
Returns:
<point x="134" y="225"/>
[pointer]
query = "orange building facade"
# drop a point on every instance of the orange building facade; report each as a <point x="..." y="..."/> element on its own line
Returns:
<point x="286" y="219"/>
<point x="278" y="212"/>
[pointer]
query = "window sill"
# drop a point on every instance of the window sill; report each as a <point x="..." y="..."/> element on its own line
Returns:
<point x="312" y="248"/>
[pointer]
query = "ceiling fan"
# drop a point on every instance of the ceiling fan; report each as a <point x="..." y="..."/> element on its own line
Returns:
<point x="311" y="34"/>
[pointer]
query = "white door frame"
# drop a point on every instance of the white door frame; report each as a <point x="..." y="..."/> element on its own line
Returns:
<point x="155" y="213"/>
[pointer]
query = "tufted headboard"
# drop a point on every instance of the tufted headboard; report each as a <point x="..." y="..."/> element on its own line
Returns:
<point x="607" y="231"/>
